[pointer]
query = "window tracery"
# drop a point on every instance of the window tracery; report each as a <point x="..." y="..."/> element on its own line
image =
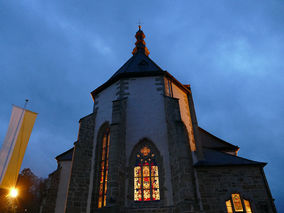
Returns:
<point x="146" y="176"/>
<point x="238" y="204"/>
<point x="103" y="172"/>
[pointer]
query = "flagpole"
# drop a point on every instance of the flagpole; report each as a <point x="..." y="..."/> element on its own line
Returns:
<point x="26" y="103"/>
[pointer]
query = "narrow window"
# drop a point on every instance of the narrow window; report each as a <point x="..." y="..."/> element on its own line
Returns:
<point x="237" y="203"/>
<point x="229" y="206"/>
<point x="247" y="206"/>
<point x="103" y="172"/>
<point x="146" y="176"/>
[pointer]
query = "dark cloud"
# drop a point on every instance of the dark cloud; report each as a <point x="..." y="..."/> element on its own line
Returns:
<point x="231" y="53"/>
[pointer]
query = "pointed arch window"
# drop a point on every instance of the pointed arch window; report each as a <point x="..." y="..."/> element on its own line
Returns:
<point x="103" y="172"/>
<point x="146" y="176"/>
<point x="236" y="204"/>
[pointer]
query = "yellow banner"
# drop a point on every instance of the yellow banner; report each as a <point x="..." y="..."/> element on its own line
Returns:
<point x="18" y="145"/>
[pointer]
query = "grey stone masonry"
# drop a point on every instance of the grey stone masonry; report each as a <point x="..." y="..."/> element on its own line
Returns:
<point x="182" y="174"/>
<point x="218" y="183"/>
<point x="117" y="156"/>
<point x="81" y="167"/>
<point x="122" y="89"/>
<point x="195" y="127"/>
<point x="48" y="205"/>
<point x="168" y="209"/>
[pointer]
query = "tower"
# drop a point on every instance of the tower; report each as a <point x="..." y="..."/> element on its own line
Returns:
<point x="141" y="150"/>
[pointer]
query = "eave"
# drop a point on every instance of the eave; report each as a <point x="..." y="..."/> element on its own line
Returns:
<point x="185" y="88"/>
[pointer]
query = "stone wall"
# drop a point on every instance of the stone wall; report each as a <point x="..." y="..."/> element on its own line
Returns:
<point x="48" y="205"/>
<point x="182" y="174"/>
<point x="169" y="209"/>
<point x="146" y="119"/>
<point x="185" y="112"/>
<point x="218" y="183"/>
<point x="81" y="167"/>
<point x="117" y="158"/>
<point x="117" y="161"/>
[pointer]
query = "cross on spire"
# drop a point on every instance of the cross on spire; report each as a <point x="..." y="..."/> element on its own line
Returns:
<point x="139" y="24"/>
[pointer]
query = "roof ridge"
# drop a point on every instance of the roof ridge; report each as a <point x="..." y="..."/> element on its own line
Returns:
<point x="236" y="156"/>
<point x="217" y="158"/>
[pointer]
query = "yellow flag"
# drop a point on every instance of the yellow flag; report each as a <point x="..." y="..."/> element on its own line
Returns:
<point x="14" y="146"/>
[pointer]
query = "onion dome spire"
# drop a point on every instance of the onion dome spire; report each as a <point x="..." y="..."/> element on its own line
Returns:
<point x="140" y="43"/>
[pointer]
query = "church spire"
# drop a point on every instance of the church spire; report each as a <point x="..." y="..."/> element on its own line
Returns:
<point x="140" y="43"/>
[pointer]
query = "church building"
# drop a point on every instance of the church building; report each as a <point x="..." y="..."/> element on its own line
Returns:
<point x="142" y="150"/>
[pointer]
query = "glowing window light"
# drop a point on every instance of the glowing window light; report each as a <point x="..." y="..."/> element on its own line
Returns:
<point x="237" y="203"/>
<point x="146" y="178"/>
<point x="229" y="206"/>
<point x="247" y="205"/>
<point x="104" y="170"/>
<point x="13" y="192"/>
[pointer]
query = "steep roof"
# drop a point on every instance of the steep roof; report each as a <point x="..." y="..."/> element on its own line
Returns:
<point x="216" y="158"/>
<point x="138" y="63"/>
<point x="65" y="156"/>
<point x="212" y="142"/>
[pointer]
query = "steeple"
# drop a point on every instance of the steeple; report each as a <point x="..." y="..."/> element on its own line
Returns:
<point x="140" y="43"/>
<point x="140" y="62"/>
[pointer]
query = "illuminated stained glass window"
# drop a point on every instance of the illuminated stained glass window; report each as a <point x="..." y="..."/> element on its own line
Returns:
<point x="238" y="204"/>
<point x="229" y="206"/>
<point x="103" y="172"/>
<point x="146" y="176"/>
<point x="247" y="206"/>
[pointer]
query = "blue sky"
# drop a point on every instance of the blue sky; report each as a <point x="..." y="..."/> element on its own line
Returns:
<point x="231" y="52"/>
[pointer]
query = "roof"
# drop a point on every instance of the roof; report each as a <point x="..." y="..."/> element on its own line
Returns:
<point x="65" y="156"/>
<point x="215" y="158"/>
<point x="139" y="62"/>
<point x="212" y="142"/>
<point x="139" y="65"/>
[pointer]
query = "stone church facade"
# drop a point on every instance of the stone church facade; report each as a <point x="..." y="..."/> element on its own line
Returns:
<point x="141" y="150"/>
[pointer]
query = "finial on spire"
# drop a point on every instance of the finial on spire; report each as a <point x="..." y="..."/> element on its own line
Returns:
<point x="140" y="43"/>
<point x="139" y="24"/>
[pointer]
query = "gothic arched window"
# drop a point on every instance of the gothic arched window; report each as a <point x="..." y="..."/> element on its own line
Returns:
<point x="146" y="176"/>
<point x="237" y="205"/>
<point x="103" y="171"/>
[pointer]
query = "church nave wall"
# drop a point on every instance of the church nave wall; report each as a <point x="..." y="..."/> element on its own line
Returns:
<point x="217" y="184"/>
<point x="146" y="119"/>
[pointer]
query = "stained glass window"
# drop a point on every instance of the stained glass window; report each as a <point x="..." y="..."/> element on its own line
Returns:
<point x="229" y="206"/>
<point x="146" y="176"/>
<point x="237" y="203"/>
<point x="247" y="205"/>
<point x="103" y="172"/>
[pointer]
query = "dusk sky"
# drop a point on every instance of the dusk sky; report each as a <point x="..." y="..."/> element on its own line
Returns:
<point x="230" y="52"/>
